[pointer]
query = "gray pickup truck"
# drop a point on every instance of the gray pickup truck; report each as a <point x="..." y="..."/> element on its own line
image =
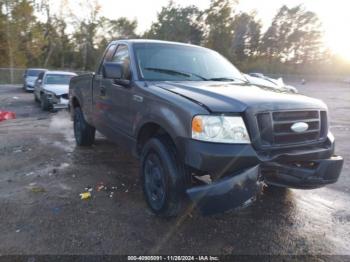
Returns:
<point x="203" y="133"/>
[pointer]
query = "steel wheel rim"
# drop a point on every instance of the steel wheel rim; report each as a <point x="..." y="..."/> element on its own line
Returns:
<point x="154" y="181"/>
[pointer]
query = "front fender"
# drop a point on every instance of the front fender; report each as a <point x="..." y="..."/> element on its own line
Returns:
<point x="164" y="117"/>
<point x="171" y="112"/>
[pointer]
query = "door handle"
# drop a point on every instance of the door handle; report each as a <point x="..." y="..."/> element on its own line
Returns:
<point x="102" y="91"/>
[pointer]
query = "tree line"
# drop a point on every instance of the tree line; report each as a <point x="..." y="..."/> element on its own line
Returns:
<point x="32" y="35"/>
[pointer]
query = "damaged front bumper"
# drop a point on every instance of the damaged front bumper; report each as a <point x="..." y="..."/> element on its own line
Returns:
<point x="57" y="101"/>
<point x="303" y="175"/>
<point x="241" y="171"/>
<point x="60" y="106"/>
<point x="228" y="193"/>
<point x="60" y="103"/>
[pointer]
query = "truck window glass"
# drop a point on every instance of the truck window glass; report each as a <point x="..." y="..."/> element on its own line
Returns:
<point x="107" y="57"/>
<point x="122" y="56"/>
<point x="161" y="62"/>
<point x="109" y="53"/>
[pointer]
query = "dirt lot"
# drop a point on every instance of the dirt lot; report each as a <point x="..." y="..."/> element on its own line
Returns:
<point x="42" y="174"/>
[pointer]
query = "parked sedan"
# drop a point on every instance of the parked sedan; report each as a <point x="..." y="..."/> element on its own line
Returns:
<point x="51" y="90"/>
<point x="30" y="76"/>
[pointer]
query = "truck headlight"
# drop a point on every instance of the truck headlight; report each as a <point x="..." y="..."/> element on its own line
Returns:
<point x="220" y="129"/>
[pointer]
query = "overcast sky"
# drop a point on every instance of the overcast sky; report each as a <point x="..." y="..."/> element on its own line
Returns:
<point x="335" y="14"/>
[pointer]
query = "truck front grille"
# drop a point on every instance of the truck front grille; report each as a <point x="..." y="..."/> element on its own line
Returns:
<point x="275" y="127"/>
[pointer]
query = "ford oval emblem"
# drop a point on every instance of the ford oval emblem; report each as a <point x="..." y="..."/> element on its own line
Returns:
<point x="299" y="127"/>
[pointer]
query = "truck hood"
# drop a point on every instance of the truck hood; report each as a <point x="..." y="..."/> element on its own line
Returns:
<point x="57" y="89"/>
<point x="224" y="97"/>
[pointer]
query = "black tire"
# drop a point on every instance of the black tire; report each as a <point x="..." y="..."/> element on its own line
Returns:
<point x="83" y="132"/>
<point x="44" y="103"/>
<point x="163" y="177"/>
<point x="35" y="98"/>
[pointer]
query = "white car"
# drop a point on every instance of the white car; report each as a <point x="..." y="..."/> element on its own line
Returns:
<point x="30" y="76"/>
<point x="51" y="89"/>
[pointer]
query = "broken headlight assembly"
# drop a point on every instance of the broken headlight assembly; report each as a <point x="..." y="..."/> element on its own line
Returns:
<point x="49" y="94"/>
<point x="220" y="129"/>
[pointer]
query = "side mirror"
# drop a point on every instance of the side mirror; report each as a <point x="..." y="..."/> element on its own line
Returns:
<point x="112" y="70"/>
<point x="40" y="81"/>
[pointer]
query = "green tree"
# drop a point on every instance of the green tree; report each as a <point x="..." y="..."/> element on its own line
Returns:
<point x="122" y="28"/>
<point x="175" y="23"/>
<point x="3" y="39"/>
<point x="62" y="54"/>
<point x="63" y="51"/>
<point x="219" y="29"/>
<point x="17" y="15"/>
<point x="246" y="37"/>
<point x="294" y="36"/>
<point x="85" y="35"/>
<point x="31" y="34"/>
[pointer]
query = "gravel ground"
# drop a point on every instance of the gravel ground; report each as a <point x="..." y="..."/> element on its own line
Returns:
<point x="42" y="174"/>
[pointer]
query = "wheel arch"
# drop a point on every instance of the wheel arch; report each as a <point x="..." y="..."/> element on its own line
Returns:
<point x="75" y="102"/>
<point x="152" y="129"/>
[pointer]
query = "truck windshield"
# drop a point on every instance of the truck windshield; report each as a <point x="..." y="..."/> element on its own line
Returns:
<point x="58" y="79"/>
<point x="171" y="62"/>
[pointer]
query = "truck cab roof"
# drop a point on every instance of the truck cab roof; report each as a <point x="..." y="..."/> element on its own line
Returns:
<point x="153" y="41"/>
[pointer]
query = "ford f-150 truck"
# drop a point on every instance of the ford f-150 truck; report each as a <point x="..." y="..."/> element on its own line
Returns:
<point x="203" y="133"/>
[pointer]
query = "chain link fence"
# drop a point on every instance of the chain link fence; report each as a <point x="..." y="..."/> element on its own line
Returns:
<point x="14" y="76"/>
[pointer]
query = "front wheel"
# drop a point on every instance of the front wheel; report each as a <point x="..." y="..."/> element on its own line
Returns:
<point x="44" y="103"/>
<point x="35" y="98"/>
<point x="162" y="177"/>
<point x="83" y="132"/>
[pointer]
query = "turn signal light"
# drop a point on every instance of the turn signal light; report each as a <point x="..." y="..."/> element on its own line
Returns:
<point x="197" y="124"/>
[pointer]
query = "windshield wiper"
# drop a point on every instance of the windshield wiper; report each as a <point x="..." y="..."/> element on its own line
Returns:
<point x="230" y="79"/>
<point x="221" y="79"/>
<point x="174" y="72"/>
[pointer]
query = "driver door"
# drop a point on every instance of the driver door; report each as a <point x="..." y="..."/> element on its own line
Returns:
<point x="99" y="98"/>
<point x="119" y="95"/>
<point x="112" y="100"/>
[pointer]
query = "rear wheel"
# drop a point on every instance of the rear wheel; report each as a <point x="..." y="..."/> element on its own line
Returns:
<point x="83" y="132"/>
<point x="162" y="177"/>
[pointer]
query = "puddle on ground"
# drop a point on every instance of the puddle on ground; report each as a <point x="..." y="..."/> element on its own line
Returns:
<point x="326" y="211"/>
